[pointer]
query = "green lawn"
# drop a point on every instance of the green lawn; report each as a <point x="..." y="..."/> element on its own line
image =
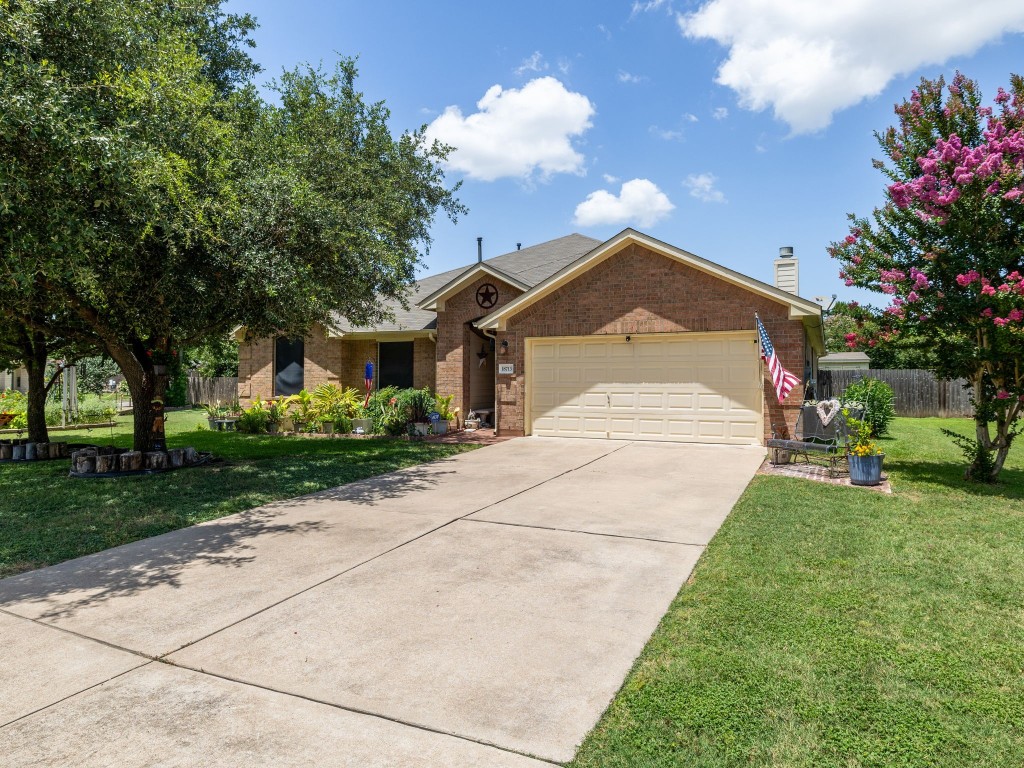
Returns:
<point x="831" y="626"/>
<point x="47" y="517"/>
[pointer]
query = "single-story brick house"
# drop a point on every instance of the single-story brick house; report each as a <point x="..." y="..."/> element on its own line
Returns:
<point x="630" y="338"/>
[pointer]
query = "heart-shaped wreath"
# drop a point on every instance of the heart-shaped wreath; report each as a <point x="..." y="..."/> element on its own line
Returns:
<point x="827" y="410"/>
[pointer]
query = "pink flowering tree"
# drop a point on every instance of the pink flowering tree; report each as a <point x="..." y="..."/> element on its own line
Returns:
<point x="947" y="248"/>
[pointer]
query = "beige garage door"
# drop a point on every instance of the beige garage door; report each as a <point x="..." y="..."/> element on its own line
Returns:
<point x="692" y="387"/>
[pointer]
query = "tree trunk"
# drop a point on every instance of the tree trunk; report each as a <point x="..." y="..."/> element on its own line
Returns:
<point x="34" y="350"/>
<point x="145" y="389"/>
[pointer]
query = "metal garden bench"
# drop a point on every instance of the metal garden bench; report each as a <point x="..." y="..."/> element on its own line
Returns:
<point x="828" y="441"/>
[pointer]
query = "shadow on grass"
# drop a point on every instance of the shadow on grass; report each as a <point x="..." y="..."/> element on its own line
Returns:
<point x="231" y="543"/>
<point x="951" y="475"/>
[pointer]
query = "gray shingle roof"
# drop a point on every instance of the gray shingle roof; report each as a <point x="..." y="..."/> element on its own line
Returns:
<point x="530" y="266"/>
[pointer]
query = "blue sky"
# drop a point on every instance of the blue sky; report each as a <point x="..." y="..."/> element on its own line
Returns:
<point x="725" y="127"/>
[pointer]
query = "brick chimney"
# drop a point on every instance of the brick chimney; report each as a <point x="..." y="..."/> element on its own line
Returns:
<point x="787" y="271"/>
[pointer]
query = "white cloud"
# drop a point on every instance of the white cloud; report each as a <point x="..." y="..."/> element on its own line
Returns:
<point x="702" y="186"/>
<point x="517" y="132"/>
<point x="532" y="63"/>
<point x="720" y="113"/>
<point x="564" y="65"/>
<point x="609" y="179"/>
<point x="668" y="134"/>
<point x="807" y="60"/>
<point x="639" y="202"/>
<point x="626" y="77"/>
<point x="643" y="6"/>
<point x="691" y="118"/>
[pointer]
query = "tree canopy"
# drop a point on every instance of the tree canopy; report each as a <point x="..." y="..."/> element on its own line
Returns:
<point x="947" y="248"/>
<point x="154" y="197"/>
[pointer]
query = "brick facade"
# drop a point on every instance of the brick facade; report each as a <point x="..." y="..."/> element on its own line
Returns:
<point x="638" y="291"/>
<point x="634" y="291"/>
<point x="455" y="341"/>
<point x="327" y="360"/>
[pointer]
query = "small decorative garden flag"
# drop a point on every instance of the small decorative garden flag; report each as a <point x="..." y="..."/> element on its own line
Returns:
<point x="783" y="380"/>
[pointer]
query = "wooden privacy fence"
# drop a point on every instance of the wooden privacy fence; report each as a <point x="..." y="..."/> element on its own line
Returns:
<point x="207" y="391"/>
<point x="917" y="392"/>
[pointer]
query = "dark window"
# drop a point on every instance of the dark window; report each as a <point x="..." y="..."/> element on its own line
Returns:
<point x="289" y="356"/>
<point x="395" y="364"/>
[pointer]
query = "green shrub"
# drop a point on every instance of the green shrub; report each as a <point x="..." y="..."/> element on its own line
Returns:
<point x="253" y="420"/>
<point x="416" y="404"/>
<point x="877" y="398"/>
<point x="388" y="418"/>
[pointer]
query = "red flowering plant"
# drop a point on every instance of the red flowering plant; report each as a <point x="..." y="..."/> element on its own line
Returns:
<point x="947" y="246"/>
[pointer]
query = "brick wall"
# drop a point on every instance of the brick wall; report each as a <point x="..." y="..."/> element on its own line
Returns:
<point x="456" y="343"/>
<point x="337" y="361"/>
<point x="424" y="364"/>
<point x="638" y="291"/>
<point x="323" y="363"/>
<point x="255" y="370"/>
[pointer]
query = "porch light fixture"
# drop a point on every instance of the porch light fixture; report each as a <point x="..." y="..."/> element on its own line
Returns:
<point x="629" y="339"/>
<point x="504" y="346"/>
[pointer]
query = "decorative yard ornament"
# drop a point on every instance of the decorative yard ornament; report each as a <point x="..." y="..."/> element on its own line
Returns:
<point x="368" y="381"/>
<point x="486" y="296"/>
<point x="827" y="410"/>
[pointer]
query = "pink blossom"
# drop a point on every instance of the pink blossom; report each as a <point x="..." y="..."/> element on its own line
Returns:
<point x="912" y="296"/>
<point x="1002" y="394"/>
<point x="1016" y="315"/>
<point x="1004" y="288"/>
<point x="967" y="278"/>
<point x="1013" y="194"/>
<point x="850" y="337"/>
<point x="1000" y="321"/>
<point x="856" y="259"/>
<point x="848" y="281"/>
<point x="1002" y="97"/>
<point x="986" y="312"/>
<point x="850" y="239"/>
<point x="1013" y="276"/>
<point x="988" y="290"/>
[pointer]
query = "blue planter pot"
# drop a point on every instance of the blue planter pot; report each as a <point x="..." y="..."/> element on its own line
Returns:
<point x="866" y="470"/>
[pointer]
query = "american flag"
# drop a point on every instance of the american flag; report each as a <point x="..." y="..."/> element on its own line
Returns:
<point x="783" y="380"/>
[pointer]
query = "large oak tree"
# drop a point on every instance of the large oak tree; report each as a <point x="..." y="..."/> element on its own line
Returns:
<point x="153" y="195"/>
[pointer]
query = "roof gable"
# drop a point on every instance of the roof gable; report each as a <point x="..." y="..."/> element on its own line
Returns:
<point x="798" y="307"/>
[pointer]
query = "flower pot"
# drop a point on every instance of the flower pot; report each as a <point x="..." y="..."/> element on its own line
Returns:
<point x="781" y="456"/>
<point x="472" y="424"/>
<point x="421" y="428"/>
<point x="328" y="427"/>
<point x="866" y="470"/>
<point x="272" y="429"/>
<point x="364" y="424"/>
<point x="213" y="424"/>
<point x="440" y="428"/>
<point x="298" y="425"/>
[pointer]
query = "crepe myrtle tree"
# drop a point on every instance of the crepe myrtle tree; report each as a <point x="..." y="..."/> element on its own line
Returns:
<point x="947" y="247"/>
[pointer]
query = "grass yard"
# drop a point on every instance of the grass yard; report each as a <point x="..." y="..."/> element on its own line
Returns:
<point x="831" y="626"/>
<point x="47" y="517"/>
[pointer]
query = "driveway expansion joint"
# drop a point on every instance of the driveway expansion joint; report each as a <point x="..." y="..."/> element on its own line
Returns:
<point x="577" y="530"/>
<point x="353" y="710"/>
<point x="387" y="552"/>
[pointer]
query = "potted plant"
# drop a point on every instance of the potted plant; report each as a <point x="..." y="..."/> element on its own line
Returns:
<point x="443" y="408"/>
<point x="276" y="411"/>
<point x="211" y="415"/>
<point x="303" y="402"/>
<point x="418" y="405"/>
<point x="865" y="457"/>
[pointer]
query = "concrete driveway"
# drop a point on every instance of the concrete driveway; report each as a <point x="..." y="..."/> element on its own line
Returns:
<point x="477" y="611"/>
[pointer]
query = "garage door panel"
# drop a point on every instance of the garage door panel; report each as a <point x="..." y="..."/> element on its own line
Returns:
<point x="687" y="388"/>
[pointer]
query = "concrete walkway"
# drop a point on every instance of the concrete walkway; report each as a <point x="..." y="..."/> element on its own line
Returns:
<point x="477" y="611"/>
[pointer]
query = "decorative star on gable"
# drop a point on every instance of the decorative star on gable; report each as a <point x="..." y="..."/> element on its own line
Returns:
<point x="486" y="296"/>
